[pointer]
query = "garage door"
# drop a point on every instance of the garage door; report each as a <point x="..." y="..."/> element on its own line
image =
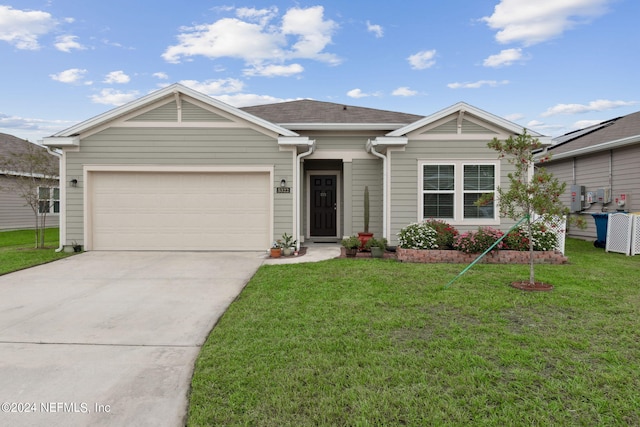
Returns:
<point x="179" y="211"/>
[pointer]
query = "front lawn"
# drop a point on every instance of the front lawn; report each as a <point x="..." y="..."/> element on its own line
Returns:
<point x="17" y="250"/>
<point x="376" y="342"/>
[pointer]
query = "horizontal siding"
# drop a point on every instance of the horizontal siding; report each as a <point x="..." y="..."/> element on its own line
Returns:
<point x="404" y="171"/>
<point x="471" y="127"/>
<point x="340" y="142"/>
<point x="15" y="214"/>
<point x="367" y="173"/>
<point x="192" y="113"/>
<point x="183" y="147"/>
<point x="449" y="127"/>
<point x="592" y="171"/>
<point x="165" y="113"/>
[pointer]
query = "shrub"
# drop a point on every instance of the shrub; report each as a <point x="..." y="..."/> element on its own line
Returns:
<point x="478" y="241"/>
<point x="446" y="233"/>
<point x="544" y="238"/>
<point x="418" y="235"/>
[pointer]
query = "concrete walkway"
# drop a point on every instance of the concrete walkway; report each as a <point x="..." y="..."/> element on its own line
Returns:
<point x="110" y="338"/>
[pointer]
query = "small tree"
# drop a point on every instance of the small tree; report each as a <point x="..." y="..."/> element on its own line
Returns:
<point x="32" y="168"/>
<point x="531" y="190"/>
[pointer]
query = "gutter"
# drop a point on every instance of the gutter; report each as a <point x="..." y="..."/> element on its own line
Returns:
<point x="370" y="148"/>
<point x="63" y="196"/>
<point x="312" y="147"/>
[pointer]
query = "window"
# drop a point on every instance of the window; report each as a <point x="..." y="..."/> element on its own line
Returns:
<point x="48" y="200"/>
<point x="450" y="191"/>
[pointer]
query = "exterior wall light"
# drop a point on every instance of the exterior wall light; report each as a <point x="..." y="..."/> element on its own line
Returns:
<point x="283" y="182"/>
<point x="74" y="182"/>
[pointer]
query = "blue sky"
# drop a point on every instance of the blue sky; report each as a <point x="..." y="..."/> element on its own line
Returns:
<point x="550" y="65"/>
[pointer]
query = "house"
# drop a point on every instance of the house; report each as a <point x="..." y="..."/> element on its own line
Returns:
<point x="15" y="213"/>
<point x="178" y="170"/>
<point x="599" y="164"/>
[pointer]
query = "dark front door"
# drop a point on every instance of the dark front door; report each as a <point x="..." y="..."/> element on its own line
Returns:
<point x="323" y="205"/>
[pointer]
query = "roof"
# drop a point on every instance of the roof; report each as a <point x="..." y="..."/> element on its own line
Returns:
<point x="307" y="111"/>
<point x="626" y="128"/>
<point x="10" y="144"/>
<point x="467" y="109"/>
<point x="168" y="91"/>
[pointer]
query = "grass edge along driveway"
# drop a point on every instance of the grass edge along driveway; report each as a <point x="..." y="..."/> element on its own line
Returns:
<point x="17" y="250"/>
<point x="375" y="342"/>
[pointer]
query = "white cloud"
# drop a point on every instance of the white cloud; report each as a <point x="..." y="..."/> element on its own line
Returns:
<point x="117" y="77"/>
<point x="598" y="105"/>
<point x="114" y="97"/>
<point x="423" y="59"/>
<point x="505" y="58"/>
<point x="375" y="29"/>
<point x="357" y="93"/>
<point x="478" y="84"/>
<point x="67" y="43"/>
<point x="530" y="22"/>
<point x="31" y="128"/>
<point x="215" y="87"/>
<point x="72" y="75"/>
<point x="274" y="70"/>
<point x="581" y="124"/>
<point x="21" y="28"/>
<point x="254" y="38"/>
<point x="404" y="91"/>
<point x="161" y="76"/>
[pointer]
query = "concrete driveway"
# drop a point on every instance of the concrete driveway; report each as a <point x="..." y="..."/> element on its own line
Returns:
<point x="110" y="338"/>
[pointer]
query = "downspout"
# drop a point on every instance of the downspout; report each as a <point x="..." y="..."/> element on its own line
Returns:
<point x="298" y="199"/>
<point x="371" y="149"/>
<point x="62" y="175"/>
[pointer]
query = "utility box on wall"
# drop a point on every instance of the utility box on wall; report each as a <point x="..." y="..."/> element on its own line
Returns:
<point x="577" y="198"/>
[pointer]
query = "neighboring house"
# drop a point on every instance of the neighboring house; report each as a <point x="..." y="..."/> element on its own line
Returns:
<point x="15" y="213"/>
<point x="178" y="170"/>
<point x="602" y="157"/>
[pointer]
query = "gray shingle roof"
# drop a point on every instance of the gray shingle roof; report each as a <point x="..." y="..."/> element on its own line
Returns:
<point x="12" y="144"/>
<point x="309" y="111"/>
<point x="611" y="130"/>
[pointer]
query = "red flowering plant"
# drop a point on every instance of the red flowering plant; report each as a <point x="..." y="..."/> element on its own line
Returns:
<point x="478" y="241"/>
<point x="446" y="233"/>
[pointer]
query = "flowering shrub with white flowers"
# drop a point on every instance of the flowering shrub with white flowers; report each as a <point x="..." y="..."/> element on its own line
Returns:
<point x="418" y="235"/>
<point x="478" y="241"/>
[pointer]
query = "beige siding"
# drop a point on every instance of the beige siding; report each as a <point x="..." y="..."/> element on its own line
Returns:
<point x="182" y="147"/>
<point x="404" y="172"/>
<point x="592" y="171"/>
<point x="449" y="127"/>
<point x="14" y="212"/>
<point x="165" y="113"/>
<point x="193" y="113"/>
<point x="471" y="127"/>
<point x="340" y="142"/>
<point x="367" y="173"/>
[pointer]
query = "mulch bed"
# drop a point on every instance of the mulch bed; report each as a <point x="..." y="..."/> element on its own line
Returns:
<point x="363" y="254"/>
<point x="524" y="285"/>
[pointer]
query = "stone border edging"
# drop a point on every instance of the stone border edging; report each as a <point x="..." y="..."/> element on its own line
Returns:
<point x="494" y="257"/>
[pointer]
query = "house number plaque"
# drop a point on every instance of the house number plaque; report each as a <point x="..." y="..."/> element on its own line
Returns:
<point x="283" y="189"/>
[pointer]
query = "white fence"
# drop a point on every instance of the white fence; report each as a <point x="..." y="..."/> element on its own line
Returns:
<point x="623" y="233"/>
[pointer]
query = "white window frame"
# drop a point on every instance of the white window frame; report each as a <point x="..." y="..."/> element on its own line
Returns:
<point x="458" y="199"/>
<point x="51" y="200"/>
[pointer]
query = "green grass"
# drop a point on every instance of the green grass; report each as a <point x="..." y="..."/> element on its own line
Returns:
<point x="376" y="342"/>
<point x="17" y="250"/>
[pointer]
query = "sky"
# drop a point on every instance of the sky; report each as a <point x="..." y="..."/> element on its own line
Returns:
<point x="552" y="66"/>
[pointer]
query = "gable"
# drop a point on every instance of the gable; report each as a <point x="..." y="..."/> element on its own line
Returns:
<point x="467" y="127"/>
<point x="188" y="112"/>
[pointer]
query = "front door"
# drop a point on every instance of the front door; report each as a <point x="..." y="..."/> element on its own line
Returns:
<point x="323" y="206"/>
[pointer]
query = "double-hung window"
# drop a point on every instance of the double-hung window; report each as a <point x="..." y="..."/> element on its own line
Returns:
<point x="48" y="200"/>
<point x="450" y="190"/>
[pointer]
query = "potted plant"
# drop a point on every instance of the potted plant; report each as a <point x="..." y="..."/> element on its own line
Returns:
<point x="376" y="246"/>
<point x="288" y="244"/>
<point x="276" y="249"/>
<point x="351" y="245"/>
<point x="364" y="236"/>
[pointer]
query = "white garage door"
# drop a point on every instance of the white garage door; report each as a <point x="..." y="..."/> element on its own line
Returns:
<point x="179" y="211"/>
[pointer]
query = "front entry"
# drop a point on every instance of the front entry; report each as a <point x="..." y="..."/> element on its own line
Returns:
<point x="323" y="205"/>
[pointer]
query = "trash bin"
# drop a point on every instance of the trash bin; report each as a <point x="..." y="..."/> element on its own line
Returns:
<point x="602" y="221"/>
